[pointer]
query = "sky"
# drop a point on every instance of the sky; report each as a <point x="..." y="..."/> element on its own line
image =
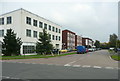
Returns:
<point x="96" y="19"/>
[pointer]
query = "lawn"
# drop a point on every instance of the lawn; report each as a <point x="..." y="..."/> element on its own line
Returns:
<point x="115" y="57"/>
<point x="33" y="56"/>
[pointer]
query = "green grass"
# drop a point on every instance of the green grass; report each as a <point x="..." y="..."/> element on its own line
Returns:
<point x="33" y="56"/>
<point x="115" y="57"/>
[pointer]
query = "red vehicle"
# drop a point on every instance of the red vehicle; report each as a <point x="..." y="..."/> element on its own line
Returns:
<point x="87" y="50"/>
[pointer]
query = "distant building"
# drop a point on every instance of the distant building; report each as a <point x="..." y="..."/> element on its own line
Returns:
<point x="27" y="26"/>
<point x="87" y="42"/>
<point x="68" y="39"/>
<point x="78" y="40"/>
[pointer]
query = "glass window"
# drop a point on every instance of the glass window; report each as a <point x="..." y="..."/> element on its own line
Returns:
<point x="9" y="20"/>
<point x="49" y="27"/>
<point x="28" y="33"/>
<point x="53" y="37"/>
<point x="1" y="33"/>
<point x="28" y="49"/>
<point x="41" y="24"/>
<point x="59" y="30"/>
<point x="56" y="37"/>
<point x="35" y="34"/>
<point x="28" y="20"/>
<point x="50" y="36"/>
<point x="56" y="29"/>
<point x="1" y="21"/>
<point x="59" y="38"/>
<point x="34" y="22"/>
<point x="45" y="25"/>
<point x="53" y="28"/>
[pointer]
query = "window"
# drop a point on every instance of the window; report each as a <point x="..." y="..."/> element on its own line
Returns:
<point x="49" y="27"/>
<point x="59" y="38"/>
<point x="59" y="30"/>
<point x="34" y="22"/>
<point x="40" y="24"/>
<point x="45" y="25"/>
<point x="1" y="21"/>
<point x="28" y="20"/>
<point x="28" y="49"/>
<point x="56" y="29"/>
<point x="53" y="28"/>
<point x="28" y="33"/>
<point x="1" y="33"/>
<point x="56" y="37"/>
<point x="50" y="36"/>
<point x="53" y="37"/>
<point x="9" y="20"/>
<point x="35" y="34"/>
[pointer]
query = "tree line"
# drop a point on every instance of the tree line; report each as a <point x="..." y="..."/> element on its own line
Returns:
<point x="114" y="42"/>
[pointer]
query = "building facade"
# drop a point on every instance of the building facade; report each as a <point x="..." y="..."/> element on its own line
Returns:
<point x="78" y="40"/>
<point x="68" y="39"/>
<point x="87" y="42"/>
<point x="27" y="26"/>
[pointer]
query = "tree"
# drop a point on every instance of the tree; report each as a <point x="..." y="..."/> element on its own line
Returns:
<point x="97" y="44"/>
<point x="104" y="45"/>
<point x="44" y="46"/>
<point x="11" y="45"/>
<point x="118" y="44"/>
<point x="113" y="40"/>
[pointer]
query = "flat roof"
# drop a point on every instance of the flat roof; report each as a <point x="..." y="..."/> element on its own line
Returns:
<point x="30" y="13"/>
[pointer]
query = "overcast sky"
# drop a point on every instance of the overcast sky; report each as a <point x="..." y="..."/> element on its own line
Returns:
<point x="94" y="19"/>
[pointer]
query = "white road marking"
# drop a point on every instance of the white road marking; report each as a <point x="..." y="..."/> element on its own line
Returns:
<point x="33" y="63"/>
<point x="8" y="77"/>
<point x="109" y="67"/>
<point x="76" y="65"/>
<point x="72" y="62"/>
<point x="86" y="66"/>
<point x="97" y="67"/>
<point x="67" y="65"/>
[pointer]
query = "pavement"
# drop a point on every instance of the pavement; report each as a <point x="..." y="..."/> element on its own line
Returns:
<point x="93" y="65"/>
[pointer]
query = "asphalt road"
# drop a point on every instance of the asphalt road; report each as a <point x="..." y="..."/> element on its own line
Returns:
<point x="42" y="71"/>
<point x="93" y="65"/>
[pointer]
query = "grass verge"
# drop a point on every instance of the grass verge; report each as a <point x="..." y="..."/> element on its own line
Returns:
<point x="33" y="56"/>
<point x="115" y="57"/>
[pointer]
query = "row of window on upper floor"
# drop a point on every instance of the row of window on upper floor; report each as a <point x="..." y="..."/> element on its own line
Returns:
<point x="35" y="35"/>
<point x="28" y="21"/>
<point x="8" y="19"/>
<point x="46" y="26"/>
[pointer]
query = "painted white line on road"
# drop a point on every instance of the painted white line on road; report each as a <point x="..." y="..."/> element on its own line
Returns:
<point x="72" y="62"/>
<point x="67" y="65"/>
<point x="86" y="66"/>
<point x="6" y="77"/>
<point x="33" y="63"/>
<point x="97" y="67"/>
<point x="27" y="63"/>
<point x="76" y="65"/>
<point x="49" y="64"/>
<point x="109" y="67"/>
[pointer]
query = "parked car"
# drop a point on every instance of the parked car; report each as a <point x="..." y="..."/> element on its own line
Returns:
<point x="81" y="49"/>
<point x="63" y="50"/>
<point x="87" y="50"/>
<point x="90" y="49"/>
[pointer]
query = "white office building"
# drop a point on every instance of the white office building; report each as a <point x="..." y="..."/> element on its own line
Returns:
<point x="27" y="26"/>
